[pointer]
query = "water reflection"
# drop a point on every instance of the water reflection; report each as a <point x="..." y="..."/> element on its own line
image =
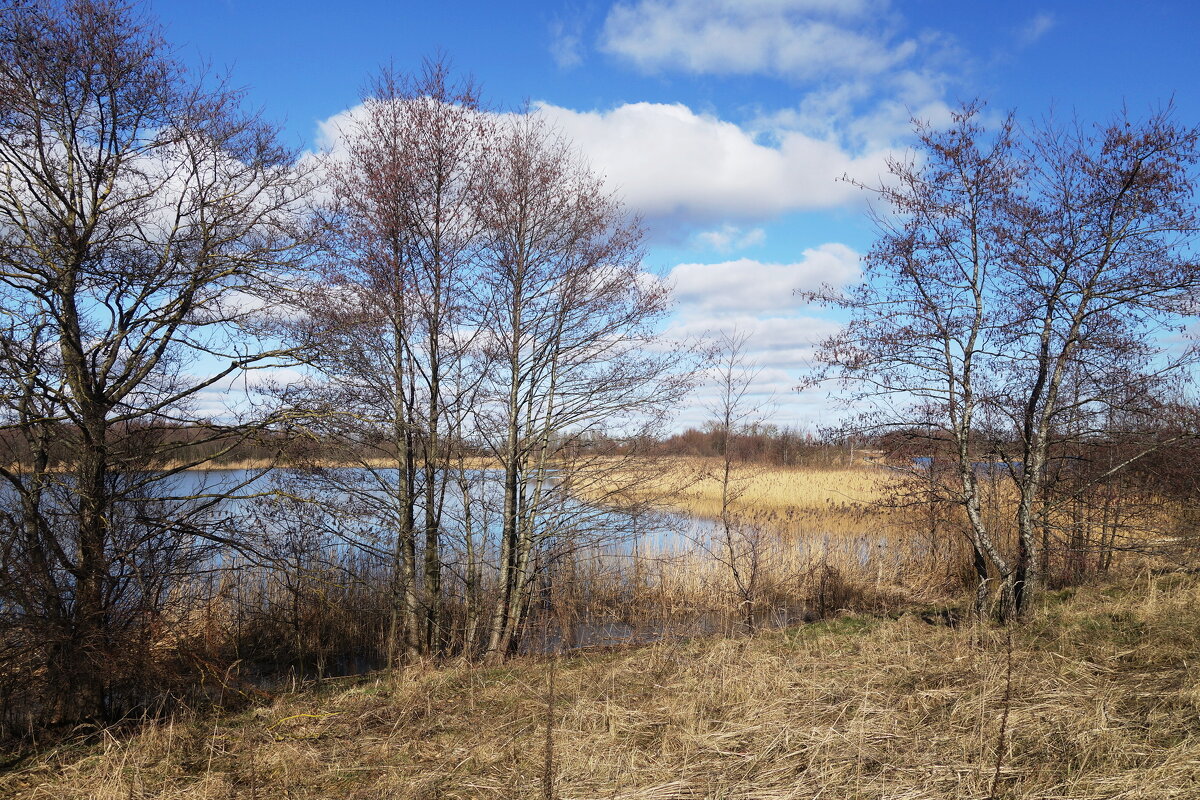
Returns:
<point x="597" y="566"/>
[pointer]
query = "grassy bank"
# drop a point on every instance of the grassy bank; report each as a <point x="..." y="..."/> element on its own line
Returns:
<point x="1097" y="697"/>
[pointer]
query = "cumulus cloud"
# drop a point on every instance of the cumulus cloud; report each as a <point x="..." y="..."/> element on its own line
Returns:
<point x="237" y="394"/>
<point x="857" y="115"/>
<point x="779" y="342"/>
<point x="758" y="300"/>
<point x="672" y="164"/>
<point x="669" y="162"/>
<point x="780" y="351"/>
<point x="678" y="167"/>
<point x="864" y="76"/>
<point x="749" y="285"/>
<point x="803" y="39"/>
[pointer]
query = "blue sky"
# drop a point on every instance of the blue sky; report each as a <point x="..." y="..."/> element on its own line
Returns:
<point x="725" y="123"/>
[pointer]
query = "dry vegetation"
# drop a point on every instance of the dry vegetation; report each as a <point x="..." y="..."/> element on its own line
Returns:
<point x="1102" y="703"/>
<point x="796" y="499"/>
<point x="786" y="493"/>
<point x="821" y="538"/>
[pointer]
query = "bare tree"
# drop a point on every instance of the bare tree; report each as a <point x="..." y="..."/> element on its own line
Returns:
<point x="741" y="543"/>
<point x="483" y="294"/>
<point x="142" y="215"/>
<point x="922" y="329"/>
<point x="1020" y="286"/>
<point x="1099" y="271"/>
<point x="390" y="327"/>
<point x="570" y="332"/>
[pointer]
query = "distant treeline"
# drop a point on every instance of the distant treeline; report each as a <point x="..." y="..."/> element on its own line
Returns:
<point x="154" y="447"/>
<point x="762" y="444"/>
<point x="157" y="446"/>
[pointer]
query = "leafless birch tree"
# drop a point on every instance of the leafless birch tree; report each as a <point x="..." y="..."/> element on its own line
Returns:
<point x="923" y="332"/>
<point x="1022" y="284"/>
<point x="571" y="335"/>
<point x="1100" y="272"/>
<point x="390" y="327"/>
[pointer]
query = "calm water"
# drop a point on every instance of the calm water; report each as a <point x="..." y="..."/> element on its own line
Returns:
<point x="353" y="501"/>
<point x="355" y="510"/>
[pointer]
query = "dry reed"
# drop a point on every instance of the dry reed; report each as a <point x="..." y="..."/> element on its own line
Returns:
<point x="693" y="486"/>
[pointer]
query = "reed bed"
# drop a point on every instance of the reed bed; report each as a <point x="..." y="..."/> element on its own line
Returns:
<point x="855" y="513"/>
<point x="811" y="577"/>
<point x="1095" y="698"/>
<point x="798" y="500"/>
<point x="784" y="491"/>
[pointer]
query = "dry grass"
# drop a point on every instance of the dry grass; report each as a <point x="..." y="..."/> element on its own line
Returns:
<point x="830" y="574"/>
<point x="1105" y="704"/>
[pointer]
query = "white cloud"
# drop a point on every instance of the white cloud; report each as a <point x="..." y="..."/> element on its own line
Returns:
<point x="773" y="341"/>
<point x="864" y="80"/>
<point x="566" y="43"/>
<point x="728" y="237"/>
<point x="805" y="39"/>
<point x="866" y="114"/>
<point x="749" y="285"/>
<point x="237" y="394"/>
<point x="783" y="333"/>
<point x="675" y="166"/>
<point x="669" y="162"/>
<point x="1036" y="28"/>
<point x="780" y="349"/>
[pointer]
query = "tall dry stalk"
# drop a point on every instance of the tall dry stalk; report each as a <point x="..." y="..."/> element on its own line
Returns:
<point x="1002" y="734"/>
<point x="548" y="752"/>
